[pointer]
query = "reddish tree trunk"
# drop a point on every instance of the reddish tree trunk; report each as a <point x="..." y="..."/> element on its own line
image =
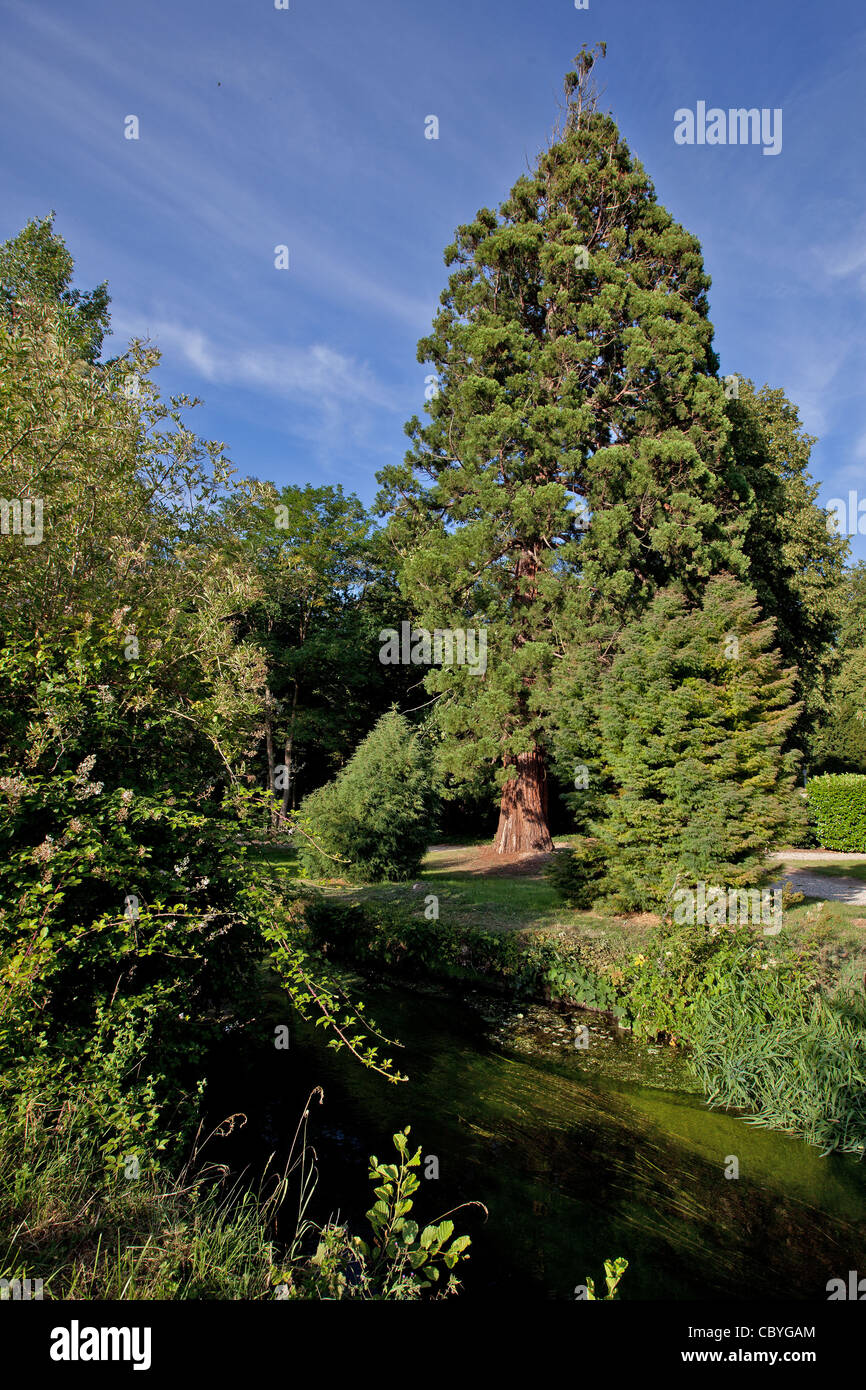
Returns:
<point x="523" y="809"/>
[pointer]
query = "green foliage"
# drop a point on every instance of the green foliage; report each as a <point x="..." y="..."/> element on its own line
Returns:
<point x="376" y="820"/>
<point x="770" y="1044"/>
<point x="36" y="268"/>
<point x="117" y="627"/>
<point x="796" y="564"/>
<point x="577" y="871"/>
<point x="613" y="1272"/>
<point x="840" y="743"/>
<point x="143" y="1231"/>
<point x="683" y="964"/>
<point x="401" y="1262"/>
<point x="762" y="1037"/>
<point x="695" y="714"/>
<point x="123" y="932"/>
<point x="127" y="707"/>
<point x="315" y="993"/>
<point x="133" y="1230"/>
<point x="837" y="807"/>
<point x="325" y="588"/>
<point x="375" y="935"/>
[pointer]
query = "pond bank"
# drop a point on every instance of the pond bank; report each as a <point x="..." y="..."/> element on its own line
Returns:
<point x="579" y="1155"/>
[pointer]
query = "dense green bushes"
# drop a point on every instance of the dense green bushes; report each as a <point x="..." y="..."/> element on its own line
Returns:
<point x="125" y="930"/>
<point x="375" y="935"/>
<point x="837" y="803"/>
<point x="376" y="820"/>
<point x="681" y="965"/>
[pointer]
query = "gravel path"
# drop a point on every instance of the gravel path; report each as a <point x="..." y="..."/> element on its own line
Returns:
<point x="840" y="888"/>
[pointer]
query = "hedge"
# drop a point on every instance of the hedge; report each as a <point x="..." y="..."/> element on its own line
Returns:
<point x="837" y="808"/>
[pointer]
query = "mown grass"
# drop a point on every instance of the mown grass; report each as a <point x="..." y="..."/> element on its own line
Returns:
<point x="475" y="893"/>
<point x="520" y="903"/>
<point x="280" y="859"/>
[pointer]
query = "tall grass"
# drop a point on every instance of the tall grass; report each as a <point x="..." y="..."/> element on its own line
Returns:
<point x="793" y="1058"/>
<point x="90" y="1233"/>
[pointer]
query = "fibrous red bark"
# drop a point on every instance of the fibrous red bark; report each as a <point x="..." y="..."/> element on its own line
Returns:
<point x="523" y="809"/>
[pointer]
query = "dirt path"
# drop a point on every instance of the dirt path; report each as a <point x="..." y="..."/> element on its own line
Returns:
<point x="483" y="861"/>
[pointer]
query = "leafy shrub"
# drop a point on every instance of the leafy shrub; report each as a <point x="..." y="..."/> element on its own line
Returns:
<point x="837" y="805"/>
<point x="124" y="930"/>
<point x="576" y="872"/>
<point x="682" y="965"/>
<point x="401" y="1262"/>
<point x="384" y="934"/>
<point x="377" y="819"/>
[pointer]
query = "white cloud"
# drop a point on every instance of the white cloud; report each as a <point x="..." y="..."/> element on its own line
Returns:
<point x="316" y="374"/>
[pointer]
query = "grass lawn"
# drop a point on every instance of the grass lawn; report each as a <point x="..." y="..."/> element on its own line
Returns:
<point x="849" y="869"/>
<point x="474" y="890"/>
<point x="279" y="859"/>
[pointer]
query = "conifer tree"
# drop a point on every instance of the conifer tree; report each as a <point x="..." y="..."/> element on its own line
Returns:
<point x="576" y="455"/>
<point x="696" y="712"/>
<point x="796" y="564"/>
<point x="377" y="818"/>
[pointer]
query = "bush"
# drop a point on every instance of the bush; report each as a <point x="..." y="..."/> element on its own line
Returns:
<point x="682" y="965"/>
<point x="837" y="806"/>
<point x="377" y="819"/>
<point x="125" y="930"/>
<point x="374" y="935"/>
<point x="576" y="872"/>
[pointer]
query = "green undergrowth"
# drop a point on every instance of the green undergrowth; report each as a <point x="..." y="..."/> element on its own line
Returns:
<point x="143" y="1232"/>
<point x="376" y="935"/>
<point x="765" y="1029"/>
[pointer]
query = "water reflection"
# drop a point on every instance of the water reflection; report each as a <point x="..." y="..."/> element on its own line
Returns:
<point x="579" y="1155"/>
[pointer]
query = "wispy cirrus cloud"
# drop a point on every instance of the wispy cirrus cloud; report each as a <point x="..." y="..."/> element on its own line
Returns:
<point x="314" y="374"/>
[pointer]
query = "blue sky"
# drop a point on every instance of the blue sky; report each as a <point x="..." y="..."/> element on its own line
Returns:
<point x="305" y="127"/>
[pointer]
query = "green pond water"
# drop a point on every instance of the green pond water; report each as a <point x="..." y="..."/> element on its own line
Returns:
<point x="578" y="1154"/>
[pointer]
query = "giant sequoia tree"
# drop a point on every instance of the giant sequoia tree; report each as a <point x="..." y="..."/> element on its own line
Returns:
<point x="576" y="456"/>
